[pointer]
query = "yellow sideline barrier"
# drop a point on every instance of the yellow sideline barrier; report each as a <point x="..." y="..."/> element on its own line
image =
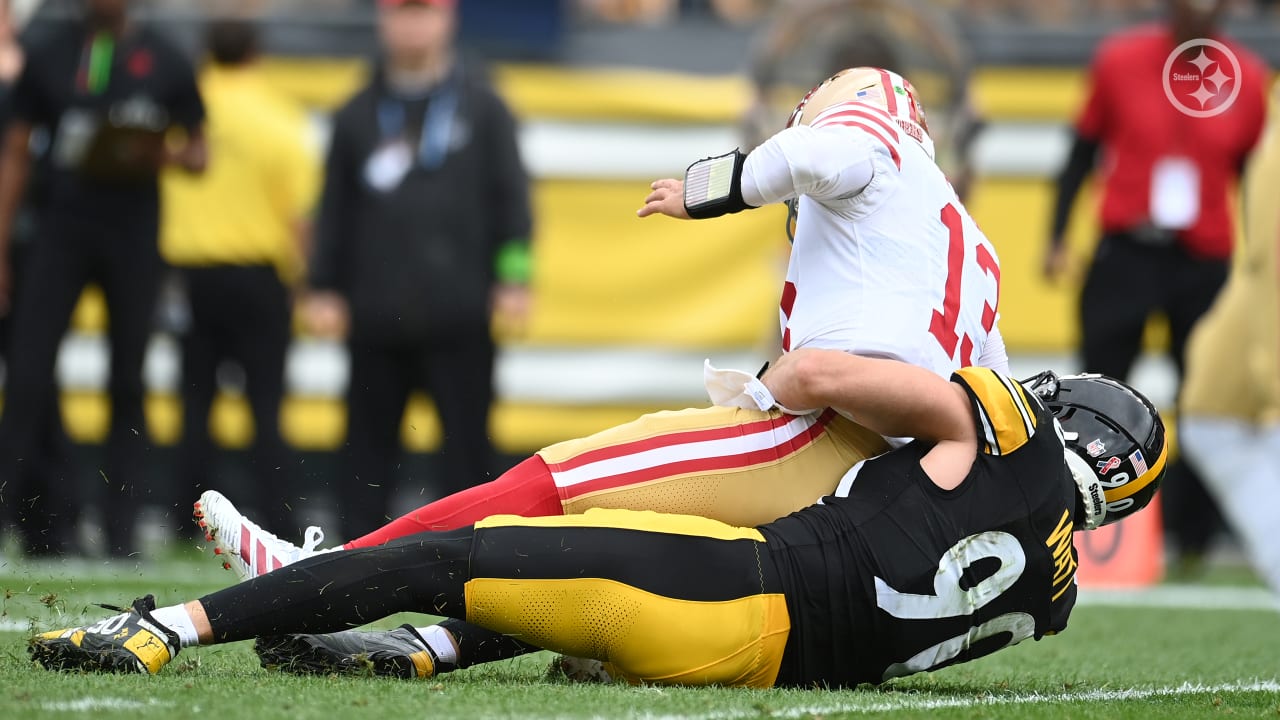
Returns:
<point x="716" y="284"/>
<point x="319" y="424"/>
<point x="651" y="95"/>
<point x="1003" y="93"/>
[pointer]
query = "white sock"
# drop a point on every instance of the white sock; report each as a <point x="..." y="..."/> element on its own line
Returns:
<point x="177" y="619"/>
<point x="440" y="642"/>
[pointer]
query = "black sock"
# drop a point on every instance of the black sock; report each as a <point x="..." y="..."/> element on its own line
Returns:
<point x="340" y="590"/>
<point x="477" y="645"/>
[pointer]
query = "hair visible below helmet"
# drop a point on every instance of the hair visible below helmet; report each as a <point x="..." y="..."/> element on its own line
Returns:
<point x="1115" y="442"/>
<point x="873" y="86"/>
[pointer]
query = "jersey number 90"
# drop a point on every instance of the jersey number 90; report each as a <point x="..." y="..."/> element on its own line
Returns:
<point x="952" y="600"/>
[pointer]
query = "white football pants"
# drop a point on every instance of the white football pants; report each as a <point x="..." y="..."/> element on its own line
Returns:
<point x="1240" y="465"/>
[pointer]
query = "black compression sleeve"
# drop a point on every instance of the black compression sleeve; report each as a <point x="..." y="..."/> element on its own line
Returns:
<point x="1080" y="162"/>
<point x="340" y="590"/>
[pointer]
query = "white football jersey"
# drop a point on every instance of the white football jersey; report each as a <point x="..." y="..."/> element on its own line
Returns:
<point x="886" y="262"/>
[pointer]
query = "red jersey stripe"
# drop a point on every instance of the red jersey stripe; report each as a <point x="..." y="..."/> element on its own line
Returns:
<point x="788" y="302"/>
<point x="862" y="125"/>
<point x="702" y="465"/>
<point x="668" y="440"/>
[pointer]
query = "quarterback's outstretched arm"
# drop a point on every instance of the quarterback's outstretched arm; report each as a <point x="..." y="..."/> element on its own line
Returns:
<point x="823" y="163"/>
<point x="826" y="164"/>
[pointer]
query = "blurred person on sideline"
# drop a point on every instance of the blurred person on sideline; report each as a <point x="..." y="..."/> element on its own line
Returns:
<point x="237" y="234"/>
<point x="422" y="239"/>
<point x="1167" y="231"/>
<point x="1230" y="410"/>
<point x="108" y="90"/>
<point x="44" y="517"/>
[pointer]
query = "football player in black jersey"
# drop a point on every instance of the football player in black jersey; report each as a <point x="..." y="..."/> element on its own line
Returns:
<point x="949" y="548"/>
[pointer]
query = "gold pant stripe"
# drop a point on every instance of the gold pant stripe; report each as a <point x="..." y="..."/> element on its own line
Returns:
<point x="646" y="521"/>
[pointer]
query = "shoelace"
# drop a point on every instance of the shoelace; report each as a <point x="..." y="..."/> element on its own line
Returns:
<point x="143" y="606"/>
<point x="312" y="537"/>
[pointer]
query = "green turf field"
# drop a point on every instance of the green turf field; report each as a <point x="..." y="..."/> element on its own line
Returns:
<point x="1179" y="651"/>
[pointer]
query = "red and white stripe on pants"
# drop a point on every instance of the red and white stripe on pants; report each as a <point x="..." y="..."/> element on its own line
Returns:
<point x="742" y="467"/>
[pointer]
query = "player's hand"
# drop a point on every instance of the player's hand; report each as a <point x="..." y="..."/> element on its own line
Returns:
<point x="789" y="378"/>
<point x="325" y="314"/>
<point x="1057" y="262"/>
<point x="512" y="305"/>
<point x="667" y="199"/>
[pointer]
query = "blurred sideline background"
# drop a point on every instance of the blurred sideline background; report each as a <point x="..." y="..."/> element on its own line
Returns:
<point x="612" y="94"/>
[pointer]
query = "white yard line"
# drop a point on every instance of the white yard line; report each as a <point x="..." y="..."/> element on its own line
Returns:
<point x="95" y="704"/>
<point x="163" y="572"/>
<point x="915" y="702"/>
<point x="1183" y="597"/>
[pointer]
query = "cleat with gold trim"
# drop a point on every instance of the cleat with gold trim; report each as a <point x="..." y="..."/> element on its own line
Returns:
<point x="242" y="545"/>
<point x="394" y="653"/>
<point x="131" y="642"/>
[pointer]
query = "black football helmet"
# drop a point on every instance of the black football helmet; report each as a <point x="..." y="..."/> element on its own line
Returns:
<point x="1115" y="442"/>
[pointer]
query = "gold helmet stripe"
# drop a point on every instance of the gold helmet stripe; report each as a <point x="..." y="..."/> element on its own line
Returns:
<point x="1137" y="484"/>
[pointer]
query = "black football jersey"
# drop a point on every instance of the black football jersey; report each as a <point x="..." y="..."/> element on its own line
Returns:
<point x="897" y="576"/>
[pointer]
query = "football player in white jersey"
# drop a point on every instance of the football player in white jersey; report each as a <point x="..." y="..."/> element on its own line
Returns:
<point x="886" y="263"/>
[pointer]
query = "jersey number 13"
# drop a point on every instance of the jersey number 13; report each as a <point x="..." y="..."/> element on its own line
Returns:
<point x="942" y="325"/>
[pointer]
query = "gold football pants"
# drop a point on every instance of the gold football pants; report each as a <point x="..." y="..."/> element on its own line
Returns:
<point x="670" y="599"/>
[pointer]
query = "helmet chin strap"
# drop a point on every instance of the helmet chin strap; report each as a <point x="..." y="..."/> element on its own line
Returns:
<point x="1095" y="503"/>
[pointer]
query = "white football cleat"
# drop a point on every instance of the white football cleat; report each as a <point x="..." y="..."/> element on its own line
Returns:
<point x="243" y="545"/>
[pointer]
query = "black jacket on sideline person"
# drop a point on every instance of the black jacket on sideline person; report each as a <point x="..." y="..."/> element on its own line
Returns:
<point x="422" y="197"/>
<point x="108" y="101"/>
<point x="418" y="259"/>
